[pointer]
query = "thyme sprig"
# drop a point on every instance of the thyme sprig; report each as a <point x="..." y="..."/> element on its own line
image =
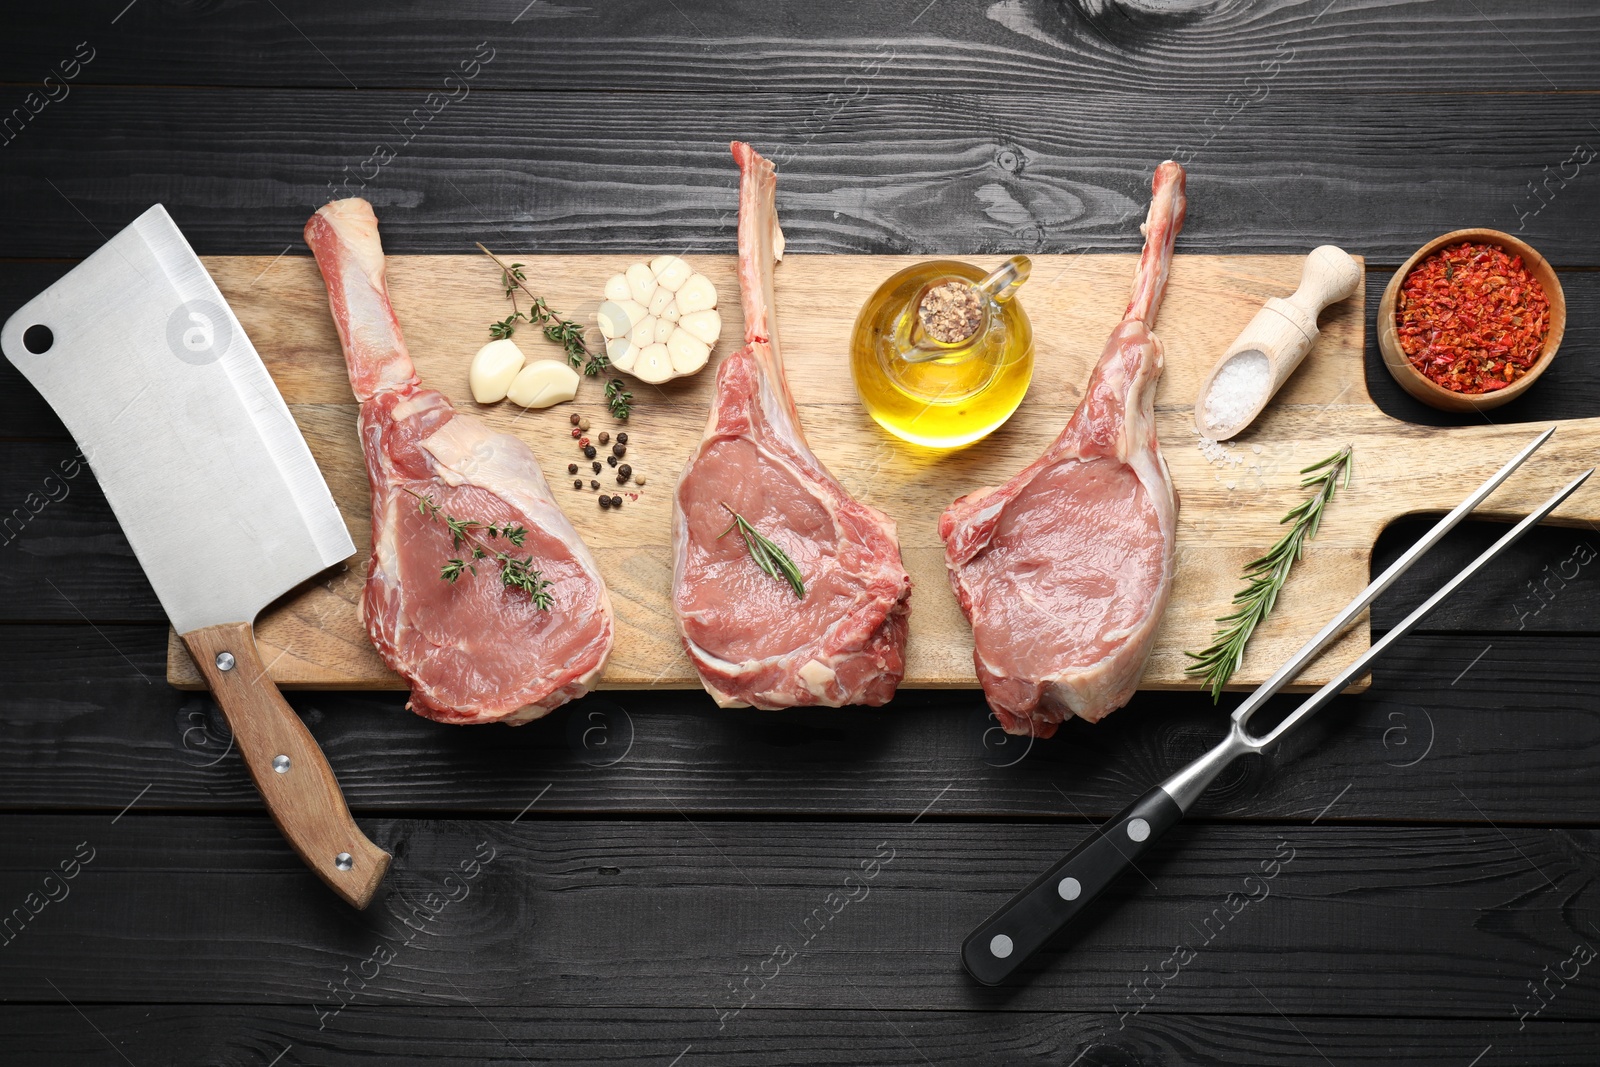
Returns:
<point x="768" y="556"/>
<point x="1267" y="575"/>
<point x="564" y="332"/>
<point x="515" y="572"/>
<point x="620" y="399"/>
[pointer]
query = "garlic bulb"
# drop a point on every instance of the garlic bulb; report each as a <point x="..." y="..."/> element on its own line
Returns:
<point x="660" y="320"/>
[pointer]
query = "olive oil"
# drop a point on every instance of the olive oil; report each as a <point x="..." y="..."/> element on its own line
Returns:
<point x="941" y="395"/>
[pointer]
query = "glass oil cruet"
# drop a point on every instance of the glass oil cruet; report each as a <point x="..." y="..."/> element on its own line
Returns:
<point x="941" y="354"/>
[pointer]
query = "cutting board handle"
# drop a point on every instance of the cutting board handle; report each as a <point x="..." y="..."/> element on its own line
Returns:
<point x="289" y="769"/>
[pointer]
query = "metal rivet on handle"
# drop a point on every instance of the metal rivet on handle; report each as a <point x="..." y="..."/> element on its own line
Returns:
<point x="1138" y="829"/>
<point x="1000" y="946"/>
<point x="224" y="661"/>
<point x="280" y="764"/>
<point x="1069" y="888"/>
<point x="344" y="861"/>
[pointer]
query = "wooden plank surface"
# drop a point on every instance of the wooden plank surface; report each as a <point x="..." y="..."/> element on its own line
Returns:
<point x="1230" y="512"/>
<point x="903" y="172"/>
<point x="725" y="46"/>
<point x="452" y="1034"/>
<point x="1020" y="125"/>
<point x="1513" y="717"/>
<point x="666" y="913"/>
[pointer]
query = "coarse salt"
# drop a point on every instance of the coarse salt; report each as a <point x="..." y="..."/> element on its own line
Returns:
<point x="1215" y="452"/>
<point x="1238" y="389"/>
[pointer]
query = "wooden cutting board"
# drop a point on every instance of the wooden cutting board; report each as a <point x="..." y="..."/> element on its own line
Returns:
<point x="1229" y="511"/>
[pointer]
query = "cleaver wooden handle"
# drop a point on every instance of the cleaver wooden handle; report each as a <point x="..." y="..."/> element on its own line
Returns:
<point x="289" y="769"/>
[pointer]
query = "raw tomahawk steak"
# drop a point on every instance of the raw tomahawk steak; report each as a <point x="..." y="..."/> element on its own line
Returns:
<point x="1065" y="570"/>
<point x="474" y="650"/>
<point x="752" y="640"/>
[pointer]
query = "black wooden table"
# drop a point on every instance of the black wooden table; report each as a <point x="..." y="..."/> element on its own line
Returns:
<point x="644" y="879"/>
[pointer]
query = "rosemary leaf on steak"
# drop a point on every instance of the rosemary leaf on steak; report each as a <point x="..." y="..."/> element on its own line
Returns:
<point x="1266" y="576"/>
<point x="564" y="332"/>
<point x="515" y="573"/>
<point x="768" y="556"/>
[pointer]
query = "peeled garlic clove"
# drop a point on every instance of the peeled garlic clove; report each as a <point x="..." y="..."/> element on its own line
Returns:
<point x="697" y="294"/>
<point x="617" y="288"/>
<point x="704" y="326"/>
<point x="621" y="352"/>
<point x="670" y="312"/>
<point x="670" y="271"/>
<point x="544" y="382"/>
<point x="644" y="333"/>
<point x="493" y="369"/>
<point x="654" y="364"/>
<point x="663" y="330"/>
<point x="688" y="353"/>
<point x="619" y="317"/>
<point x="641" y="284"/>
<point x="661" y="301"/>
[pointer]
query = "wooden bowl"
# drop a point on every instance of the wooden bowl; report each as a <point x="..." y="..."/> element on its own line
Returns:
<point x="1418" y="384"/>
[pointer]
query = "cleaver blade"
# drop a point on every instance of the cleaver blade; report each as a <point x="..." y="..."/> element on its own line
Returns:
<point x="212" y="482"/>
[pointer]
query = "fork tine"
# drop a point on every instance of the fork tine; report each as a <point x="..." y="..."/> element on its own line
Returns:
<point x="1359" y="667"/>
<point x="1340" y="622"/>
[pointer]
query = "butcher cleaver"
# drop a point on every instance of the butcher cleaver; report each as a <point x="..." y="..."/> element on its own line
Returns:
<point x="215" y="488"/>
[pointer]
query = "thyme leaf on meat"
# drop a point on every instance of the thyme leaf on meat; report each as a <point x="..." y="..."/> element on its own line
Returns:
<point x="768" y="556"/>
<point x="620" y="399"/>
<point x="515" y="573"/>
<point x="1266" y="575"/>
<point x="557" y="330"/>
<point x="519" y="574"/>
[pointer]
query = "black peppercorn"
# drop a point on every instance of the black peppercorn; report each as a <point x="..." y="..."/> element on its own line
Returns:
<point x="616" y="501"/>
<point x="622" y="479"/>
<point x="611" y="460"/>
<point x="573" y="418"/>
<point x="588" y="451"/>
<point x="624" y="472"/>
<point x="594" y="483"/>
<point x="619" y="449"/>
<point x="605" y="438"/>
<point x="572" y="468"/>
<point x="622" y="438"/>
<point x="596" y="466"/>
<point x="577" y="483"/>
<point x="605" y="502"/>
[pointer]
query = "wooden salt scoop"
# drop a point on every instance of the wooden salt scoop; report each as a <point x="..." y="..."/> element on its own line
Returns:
<point x="1282" y="332"/>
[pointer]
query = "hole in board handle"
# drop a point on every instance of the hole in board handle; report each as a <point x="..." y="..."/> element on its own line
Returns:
<point x="38" y="339"/>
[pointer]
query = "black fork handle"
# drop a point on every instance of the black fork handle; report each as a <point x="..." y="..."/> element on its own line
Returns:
<point x="1007" y="939"/>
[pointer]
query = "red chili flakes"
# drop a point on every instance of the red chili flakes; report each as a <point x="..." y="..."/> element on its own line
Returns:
<point x="1471" y="318"/>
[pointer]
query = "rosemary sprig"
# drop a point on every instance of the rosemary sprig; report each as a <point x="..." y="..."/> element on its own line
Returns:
<point x="1267" y="575"/>
<point x="768" y="556"/>
<point x="620" y="399"/>
<point x="515" y="572"/>
<point x="564" y="332"/>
